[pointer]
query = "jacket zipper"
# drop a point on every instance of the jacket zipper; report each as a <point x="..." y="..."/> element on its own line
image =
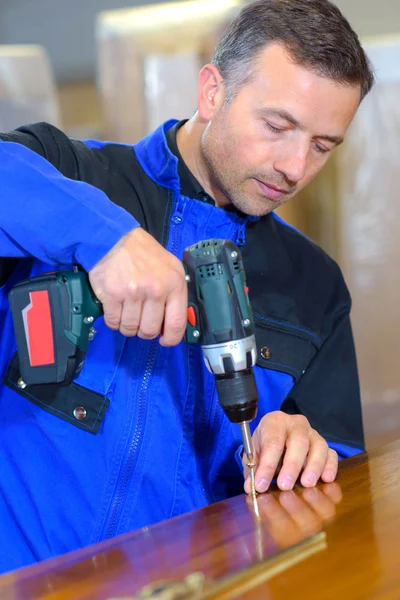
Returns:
<point x="177" y="218"/>
<point x="128" y="469"/>
<point x="127" y="472"/>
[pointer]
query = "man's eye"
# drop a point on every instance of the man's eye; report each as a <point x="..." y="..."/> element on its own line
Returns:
<point x="321" y="149"/>
<point x="273" y="128"/>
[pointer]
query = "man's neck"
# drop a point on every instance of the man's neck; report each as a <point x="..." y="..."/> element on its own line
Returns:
<point x="188" y="140"/>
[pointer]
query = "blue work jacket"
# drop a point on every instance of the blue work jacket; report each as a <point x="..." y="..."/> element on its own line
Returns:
<point x="155" y="442"/>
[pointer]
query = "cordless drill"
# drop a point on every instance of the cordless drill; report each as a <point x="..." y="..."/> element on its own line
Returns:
<point x="53" y="316"/>
<point x="221" y="320"/>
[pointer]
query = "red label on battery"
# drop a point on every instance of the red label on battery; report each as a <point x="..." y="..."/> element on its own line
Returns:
<point x="39" y="329"/>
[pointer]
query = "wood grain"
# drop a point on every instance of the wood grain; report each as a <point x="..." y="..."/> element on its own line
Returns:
<point x="340" y="540"/>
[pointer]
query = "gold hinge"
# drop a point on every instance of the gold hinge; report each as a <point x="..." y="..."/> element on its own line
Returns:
<point x="190" y="586"/>
<point x="197" y="587"/>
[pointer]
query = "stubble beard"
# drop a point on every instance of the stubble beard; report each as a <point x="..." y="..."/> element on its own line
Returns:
<point x="224" y="177"/>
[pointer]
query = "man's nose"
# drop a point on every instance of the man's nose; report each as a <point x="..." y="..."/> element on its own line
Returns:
<point x="294" y="164"/>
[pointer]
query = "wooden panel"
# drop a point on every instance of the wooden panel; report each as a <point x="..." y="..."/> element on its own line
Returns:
<point x="353" y="554"/>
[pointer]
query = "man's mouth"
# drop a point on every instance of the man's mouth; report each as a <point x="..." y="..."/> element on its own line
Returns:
<point x="271" y="191"/>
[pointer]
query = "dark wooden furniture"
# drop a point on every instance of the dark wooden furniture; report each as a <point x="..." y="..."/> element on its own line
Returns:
<point x="340" y="541"/>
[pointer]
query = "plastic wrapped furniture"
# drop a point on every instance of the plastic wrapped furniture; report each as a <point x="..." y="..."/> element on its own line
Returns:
<point x="27" y="89"/>
<point x="148" y="62"/>
<point x="369" y="240"/>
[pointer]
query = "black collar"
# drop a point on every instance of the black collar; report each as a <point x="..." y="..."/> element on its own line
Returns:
<point x="190" y="187"/>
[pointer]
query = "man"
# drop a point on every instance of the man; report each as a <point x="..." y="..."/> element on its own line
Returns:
<point x="140" y="437"/>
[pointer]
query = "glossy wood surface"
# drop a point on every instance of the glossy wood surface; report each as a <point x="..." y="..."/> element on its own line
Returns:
<point x="339" y="541"/>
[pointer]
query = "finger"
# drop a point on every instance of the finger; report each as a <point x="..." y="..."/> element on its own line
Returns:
<point x="317" y="458"/>
<point x="151" y="319"/>
<point x="320" y="503"/>
<point x="247" y="480"/>
<point x="246" y="468"/>
<point x="333" y="491"/>
<point x="130" y="317"/>
<point x="112" y="314"/>
<point x="331" y="467"/>
<point x="272" y="434"/>
<point x="297" y="448"/>
<point x="175" y="319"/>
<point x="247" y="483"/>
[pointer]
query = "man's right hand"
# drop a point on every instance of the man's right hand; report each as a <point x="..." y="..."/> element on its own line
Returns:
<point x="142" y="288"/>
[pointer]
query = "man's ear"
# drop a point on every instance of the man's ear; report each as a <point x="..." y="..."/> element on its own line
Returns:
<point x="211" y="92"/>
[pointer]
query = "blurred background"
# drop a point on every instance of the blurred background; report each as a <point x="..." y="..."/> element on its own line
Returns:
<point x="114" y="69"/>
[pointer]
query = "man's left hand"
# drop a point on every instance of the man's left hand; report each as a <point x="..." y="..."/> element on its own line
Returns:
<point x="286" y="446"/>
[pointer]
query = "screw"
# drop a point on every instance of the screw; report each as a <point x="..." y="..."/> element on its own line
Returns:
<point x="21" y="384"/>
<point x="80" y="413"/>
<point x="188" y="279"/>
<point x="246" y="322"/>
<point x="234" y="254"/>
<point x="92" y="333"/>
<point x="196" y="334"/>
<point x="266" y="353"/>
<point x="89" y="320"/>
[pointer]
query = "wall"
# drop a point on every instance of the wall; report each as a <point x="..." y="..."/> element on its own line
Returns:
<point x="66" y="28"/>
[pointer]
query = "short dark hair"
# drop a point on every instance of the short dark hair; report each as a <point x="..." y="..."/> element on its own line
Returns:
<point x="315" y="33"/>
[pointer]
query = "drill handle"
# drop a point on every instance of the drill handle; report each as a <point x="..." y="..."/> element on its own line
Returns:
<point x="219" y="309"/>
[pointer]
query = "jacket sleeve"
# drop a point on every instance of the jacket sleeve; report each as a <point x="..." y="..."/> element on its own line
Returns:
<point x="45" y="210"/>
<point x="328" y="393"/>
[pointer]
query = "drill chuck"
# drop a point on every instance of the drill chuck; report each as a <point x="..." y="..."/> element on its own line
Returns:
<point x="237" y="395"/>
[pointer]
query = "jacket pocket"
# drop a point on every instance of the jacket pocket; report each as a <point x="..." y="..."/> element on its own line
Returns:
<point x="282" y="347"/>
<point x="73" y="403"/>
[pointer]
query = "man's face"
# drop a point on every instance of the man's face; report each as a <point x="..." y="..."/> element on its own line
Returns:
<point x="277" y="133"/>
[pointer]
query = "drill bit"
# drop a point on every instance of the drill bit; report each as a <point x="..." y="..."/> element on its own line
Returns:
<point x="248" y="448"/>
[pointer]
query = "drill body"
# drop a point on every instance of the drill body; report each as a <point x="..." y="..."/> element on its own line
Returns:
<point x="221" y="320"/>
